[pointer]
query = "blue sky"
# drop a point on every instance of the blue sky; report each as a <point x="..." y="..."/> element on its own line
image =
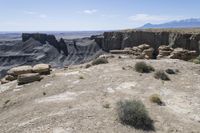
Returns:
<point x="76" y="15"/>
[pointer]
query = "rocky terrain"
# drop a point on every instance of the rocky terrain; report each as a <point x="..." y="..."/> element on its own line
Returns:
<point x="183" y="38"/>
<point x="42" y="48"/>
<point x="70" y="85"/>
<point x="78" y="99"/>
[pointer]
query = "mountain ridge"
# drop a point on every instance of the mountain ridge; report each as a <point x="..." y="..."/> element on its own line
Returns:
<point x="186" y="23"/>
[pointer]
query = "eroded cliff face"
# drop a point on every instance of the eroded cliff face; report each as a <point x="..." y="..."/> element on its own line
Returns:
<point x="122" y="39"/>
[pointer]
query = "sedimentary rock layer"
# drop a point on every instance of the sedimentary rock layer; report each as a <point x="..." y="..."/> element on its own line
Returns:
<point x="121" y="39"/>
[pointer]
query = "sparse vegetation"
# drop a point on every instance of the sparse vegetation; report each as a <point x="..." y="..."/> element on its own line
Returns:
<point x="142" y="67"/>
<point x="155" y="98"/>
<point x="106" y="105"/>
<point x="88" y="66"/>
<point x="134" y="113"/>
<point x="170" y="71"/>
<point x="6" y="102"/>
<point x="197" y="60"/>
<point x="81" y="77"/>
<point x="100" y="61"/>
<point x="44" y="93"/>
<point x="161" y="75"/>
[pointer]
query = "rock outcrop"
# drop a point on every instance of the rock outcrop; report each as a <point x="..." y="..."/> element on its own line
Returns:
<point x="20" y="70"/>
<point x="26" y="74"/>
<point x="121" y="39"/>
<point x="28" y="78"/>
<point x="44" y="38"/>
<point x="42" y="68"/>
<point x="183" y="54"/>
<point x="143" y="51"/>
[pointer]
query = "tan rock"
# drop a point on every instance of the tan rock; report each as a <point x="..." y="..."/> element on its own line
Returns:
<point x="148" y="53"/>
<point x="143" y="47"/>
<point x="42" y="68"/>
<point x="183" y="54"/>
<point x="165" y="48"/>
<point x="121" y="51"/>
<point x="4" y="81"/>
<point x="20" y="70"/>
<point x="28" y="78"/>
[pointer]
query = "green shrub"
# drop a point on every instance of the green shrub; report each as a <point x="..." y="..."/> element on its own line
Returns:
<point x="142" y="67"/>
<point x="100" y="61"/>
<point x="155" y="98"/>
<point x="161" y="75"/>
<point x="134" y="113"/>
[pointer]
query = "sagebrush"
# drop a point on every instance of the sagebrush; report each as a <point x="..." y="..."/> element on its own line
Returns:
<point x="142" y="67"/>
<point x="134" y="113"/>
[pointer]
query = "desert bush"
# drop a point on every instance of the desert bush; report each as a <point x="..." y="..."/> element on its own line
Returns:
<point x="155" y="98"/>
<point x="88" y="66"/>
<point x="134" y="113"/>
<point x="100" y="61"/>
<point x="161" y="75"/>
<point x="81" y="77"/>
<point x="197" y="60"/>
<point x="170" y="71"/>
<point x="142" y="67"/>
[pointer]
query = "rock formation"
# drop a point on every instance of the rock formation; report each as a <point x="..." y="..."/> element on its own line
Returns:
<point x="121" y="39"/>
<point x="44" y="38"/>
<point x="26" y="74"/>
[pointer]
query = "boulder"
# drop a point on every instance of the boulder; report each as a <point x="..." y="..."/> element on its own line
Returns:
<point x="143" y="47"/>
<point x="4" y="81"/>
<point x="28" y="78"/>
<point x="42" y="68"/>
<point x="141" y="56"/>
<point x="20" y="70"/>
<point x="148" y="53"/>
<point x="165" y="48"/>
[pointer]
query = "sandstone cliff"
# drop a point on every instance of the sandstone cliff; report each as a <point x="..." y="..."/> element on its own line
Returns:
<point x="155" y="38"/>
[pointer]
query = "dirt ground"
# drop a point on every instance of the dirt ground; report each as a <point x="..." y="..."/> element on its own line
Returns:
<point x="74" y="100"/>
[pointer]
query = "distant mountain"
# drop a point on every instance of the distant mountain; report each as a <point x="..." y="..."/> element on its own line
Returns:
<point x="187" y="23"/>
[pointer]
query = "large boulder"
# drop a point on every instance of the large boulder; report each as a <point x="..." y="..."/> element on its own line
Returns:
<point x="20" y="70"/>
<point x="28" y="78"/>
<point x="42" y="68"/>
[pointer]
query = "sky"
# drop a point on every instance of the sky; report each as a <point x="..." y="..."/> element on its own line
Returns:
<point x="87" y="15"/>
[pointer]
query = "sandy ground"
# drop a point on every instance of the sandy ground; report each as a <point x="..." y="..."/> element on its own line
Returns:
<point x="64" y="103"/>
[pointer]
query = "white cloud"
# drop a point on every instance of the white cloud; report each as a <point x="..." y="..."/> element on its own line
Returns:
<point x="90" y="11"/>
<point x="146" y="18"/>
